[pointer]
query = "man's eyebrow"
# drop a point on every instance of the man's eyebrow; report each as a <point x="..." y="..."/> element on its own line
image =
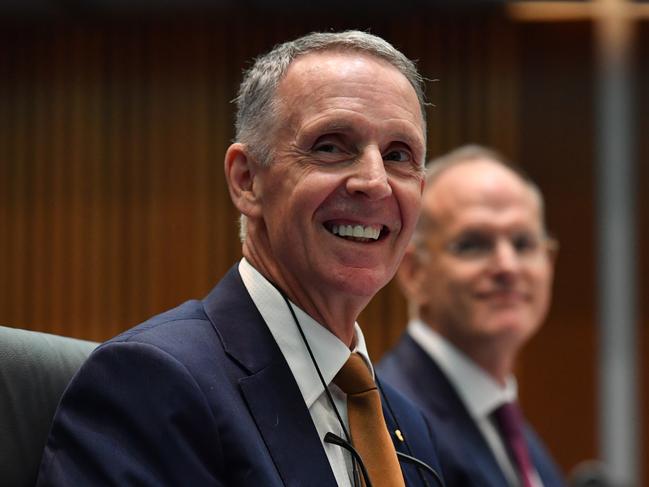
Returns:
<point x="409" y="139"/>
<point x="333" y="126"/>
<point x="396" y="134"/>
<point x="473" y="232"/>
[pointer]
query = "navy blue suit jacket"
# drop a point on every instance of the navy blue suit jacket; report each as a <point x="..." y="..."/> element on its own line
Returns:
<point x="200" y="395"/>
<point x="463" y="452"/>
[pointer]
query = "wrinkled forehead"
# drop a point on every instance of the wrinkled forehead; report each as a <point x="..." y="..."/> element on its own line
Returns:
<point x="304" y="75"/>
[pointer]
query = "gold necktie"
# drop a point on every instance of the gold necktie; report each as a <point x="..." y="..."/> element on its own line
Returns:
<point x="367" y="426"/>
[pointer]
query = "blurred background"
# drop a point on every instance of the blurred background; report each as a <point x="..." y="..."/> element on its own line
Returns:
<point x="115" y="116"/>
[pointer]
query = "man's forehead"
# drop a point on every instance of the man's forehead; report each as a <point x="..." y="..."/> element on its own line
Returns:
<point x="476" y="186"/>
<point x="309" y="66"/>
<point x="341" y="79"/>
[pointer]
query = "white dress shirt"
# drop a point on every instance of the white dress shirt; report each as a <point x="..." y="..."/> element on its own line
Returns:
<point x="330" y="354"/>
<point x="479" y="392"/>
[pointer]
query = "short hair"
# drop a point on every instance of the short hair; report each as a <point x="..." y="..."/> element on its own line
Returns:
<point x="257" y="107"/>
<point x="463" y="155"/>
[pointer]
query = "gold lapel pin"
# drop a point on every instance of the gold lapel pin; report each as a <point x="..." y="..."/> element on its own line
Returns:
<point x="399" y="435"/>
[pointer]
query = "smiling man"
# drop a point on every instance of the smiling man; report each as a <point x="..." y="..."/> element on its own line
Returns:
<point x="247" y="386"/>
<point x="477" y="276"/>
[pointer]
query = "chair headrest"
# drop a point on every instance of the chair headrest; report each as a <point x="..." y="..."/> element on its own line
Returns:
<point x="35" y="369"/>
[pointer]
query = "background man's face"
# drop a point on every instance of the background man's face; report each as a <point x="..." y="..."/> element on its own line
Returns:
<point x="488" y="265"/>
<point x="348" y="149"/>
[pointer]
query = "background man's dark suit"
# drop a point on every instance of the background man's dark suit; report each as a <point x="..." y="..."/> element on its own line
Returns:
<point x="464" y="454"/>
<point x="208" y="381"/>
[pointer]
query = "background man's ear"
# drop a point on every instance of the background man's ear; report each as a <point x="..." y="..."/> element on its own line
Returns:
<point x="409" y="275"/>
<point x="552" y="245"/>
<point x="240" y="171"/>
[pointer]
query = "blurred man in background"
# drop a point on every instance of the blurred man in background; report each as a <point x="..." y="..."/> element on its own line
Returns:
<point x="477" y="276"/>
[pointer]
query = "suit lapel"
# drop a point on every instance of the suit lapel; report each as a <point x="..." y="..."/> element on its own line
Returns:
<point x="545" y="466"/>
<point x="268" y="387"/>
<point x="284" y="422"/>
<point x="410" y="473"/>
<point x="441" y="397"/>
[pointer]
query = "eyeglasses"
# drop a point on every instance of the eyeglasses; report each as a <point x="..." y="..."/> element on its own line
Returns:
<point x="479" y="245"/>
<point x="402" y="457"/>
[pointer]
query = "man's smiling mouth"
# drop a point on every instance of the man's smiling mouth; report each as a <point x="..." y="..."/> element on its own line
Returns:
<point x="357" y="233"/>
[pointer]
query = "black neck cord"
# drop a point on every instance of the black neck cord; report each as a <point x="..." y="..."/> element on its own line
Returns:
<point x="322" y="381"/>
<point x="317" y="368"/>
<point x="333" y="405"/>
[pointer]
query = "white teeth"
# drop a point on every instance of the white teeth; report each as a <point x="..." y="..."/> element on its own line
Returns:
<point x="372" y="233"/>
<point x="358" y="231"/>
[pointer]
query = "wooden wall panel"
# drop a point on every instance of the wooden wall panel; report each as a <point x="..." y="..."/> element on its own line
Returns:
<point x="113" y="139"/>
<point x="558" y="143"/>
<point x="556" y="146"/>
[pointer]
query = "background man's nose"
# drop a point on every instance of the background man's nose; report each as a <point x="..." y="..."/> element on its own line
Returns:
<point x="505" y="259"/>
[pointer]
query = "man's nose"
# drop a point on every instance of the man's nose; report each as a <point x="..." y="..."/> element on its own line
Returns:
<point x="369" y="176"/>
<point x="505" y="258"/>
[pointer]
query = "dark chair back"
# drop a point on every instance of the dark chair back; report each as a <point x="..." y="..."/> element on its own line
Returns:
<point x="35" y="369"/>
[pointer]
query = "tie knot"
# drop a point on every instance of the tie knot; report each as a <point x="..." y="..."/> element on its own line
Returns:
<point x="355" y="376"/>
<point x="509" y="419"/>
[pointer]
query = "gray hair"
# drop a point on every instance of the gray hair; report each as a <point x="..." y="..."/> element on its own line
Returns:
<point x="257" y="105"/>
<point x="463" y="155"/>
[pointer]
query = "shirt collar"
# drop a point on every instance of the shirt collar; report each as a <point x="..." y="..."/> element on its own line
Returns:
<point x="329" y="351"/>
<point x="478" y="390"/>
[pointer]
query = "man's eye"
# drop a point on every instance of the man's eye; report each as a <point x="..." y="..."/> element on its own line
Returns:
<point x="397" y="156"/>
<point x="474" y="246"/>
<point x="329" y="148"/>
<point x="471" y="247"/>
<point x="524" y="243"/>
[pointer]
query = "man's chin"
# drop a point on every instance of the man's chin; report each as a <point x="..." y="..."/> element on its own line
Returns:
<point x="360" y="282"/>
<point x="511" y="327"/>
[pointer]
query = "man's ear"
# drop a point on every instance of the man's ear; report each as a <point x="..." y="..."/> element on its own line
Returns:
<point x="552" y="248"/>
<point x="409" y="275"/>
<point x="240" y="171"/>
